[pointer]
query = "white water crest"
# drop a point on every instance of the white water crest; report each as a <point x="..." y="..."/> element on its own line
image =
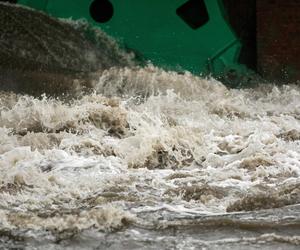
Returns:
<point x="114" y="155"/>
<point x="146" y="144"/>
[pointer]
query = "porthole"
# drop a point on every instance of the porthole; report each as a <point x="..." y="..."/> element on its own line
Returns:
<point x="101" y="10"/>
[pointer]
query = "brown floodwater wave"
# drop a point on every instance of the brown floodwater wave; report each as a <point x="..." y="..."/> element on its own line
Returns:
<point x="145" y="158"/>
<point x="40" y="54"/>
<point x="152" y="165"/>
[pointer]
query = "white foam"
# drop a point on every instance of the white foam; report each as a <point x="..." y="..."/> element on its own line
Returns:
<point x="193" y="127"/>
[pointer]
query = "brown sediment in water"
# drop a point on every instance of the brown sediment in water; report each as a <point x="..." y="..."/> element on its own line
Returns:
<point x="40" y="141"/>
<point x="202" y="193"/>
<point x="106" y="117"/>
<point x="104" y="219"/>
<point x="251" y="163"/>
<point x="268" y="200"/>
<point x="10" y="188"/>
<point x="111" y="119"/>
<point x="162" y="158"/>
<point x="178" y="175"/>
<point x="291" y="135"/>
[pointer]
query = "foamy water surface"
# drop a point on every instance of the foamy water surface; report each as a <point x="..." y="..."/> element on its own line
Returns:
<point x="129" y="157"/>
<point x="151" y="150"/>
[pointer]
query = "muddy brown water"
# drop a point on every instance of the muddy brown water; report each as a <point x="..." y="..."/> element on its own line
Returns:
<point x="150" y="159"/>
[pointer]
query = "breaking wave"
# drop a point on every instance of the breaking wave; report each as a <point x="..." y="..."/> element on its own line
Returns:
<point x="149" y="148"/>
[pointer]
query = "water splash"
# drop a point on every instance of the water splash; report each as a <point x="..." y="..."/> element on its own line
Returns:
<point x="151" y="149"/>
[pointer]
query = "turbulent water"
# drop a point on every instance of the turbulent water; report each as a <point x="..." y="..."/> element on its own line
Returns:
<point x="151" y="156"/>
<point x="149" y="159"/>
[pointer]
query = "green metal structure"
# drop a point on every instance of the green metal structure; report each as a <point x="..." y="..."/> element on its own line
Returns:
<point x="175" y="34"/>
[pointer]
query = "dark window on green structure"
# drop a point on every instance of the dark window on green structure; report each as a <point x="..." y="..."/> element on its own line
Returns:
<point x="10" y="1"/>
<point x="194" y="13"/>
<point x="101" y="10"/>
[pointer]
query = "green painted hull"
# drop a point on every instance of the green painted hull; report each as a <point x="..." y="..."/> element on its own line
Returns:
<point x="157" y="33"/>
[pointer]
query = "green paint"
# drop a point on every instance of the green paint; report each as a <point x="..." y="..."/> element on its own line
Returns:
<point x="154" y="30"/>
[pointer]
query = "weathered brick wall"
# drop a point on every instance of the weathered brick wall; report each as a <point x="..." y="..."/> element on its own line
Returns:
<point x="278" y="39"/>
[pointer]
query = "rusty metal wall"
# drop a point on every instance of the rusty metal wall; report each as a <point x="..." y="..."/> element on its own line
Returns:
<point x="278" y="39"/>
<point x="241" y="15"/>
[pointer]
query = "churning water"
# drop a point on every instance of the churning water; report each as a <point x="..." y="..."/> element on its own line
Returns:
<point x="149" y="159"/>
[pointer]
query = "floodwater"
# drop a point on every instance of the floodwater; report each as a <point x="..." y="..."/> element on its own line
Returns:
<point x="149" y="159"/>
